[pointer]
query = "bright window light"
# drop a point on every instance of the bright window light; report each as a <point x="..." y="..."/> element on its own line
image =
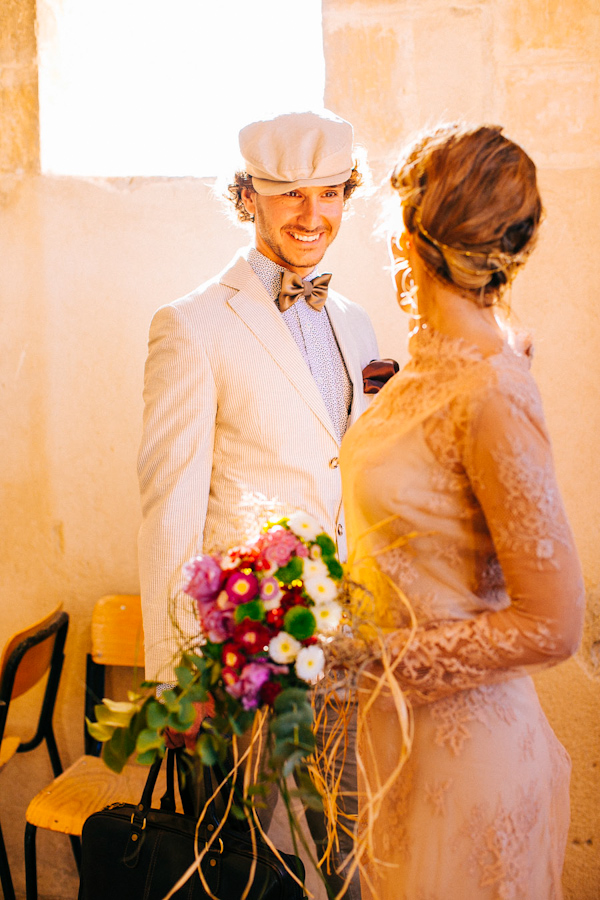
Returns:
<point x="162" y="87"/>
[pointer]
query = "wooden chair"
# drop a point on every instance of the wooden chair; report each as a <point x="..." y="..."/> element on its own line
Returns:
<point x="26" y="658"/>
<point x="88" y="785"/>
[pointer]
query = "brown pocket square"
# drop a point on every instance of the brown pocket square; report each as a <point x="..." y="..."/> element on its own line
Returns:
<point x="377" y="373"/>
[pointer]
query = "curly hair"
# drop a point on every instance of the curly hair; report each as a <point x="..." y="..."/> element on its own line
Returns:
<point x="470" y="200"/>
<point x="243" y="181"/>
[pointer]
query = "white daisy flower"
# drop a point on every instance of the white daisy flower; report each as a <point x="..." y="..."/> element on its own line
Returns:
<point x="283" y="648"/>
<point x="328" y="615"/>
<point x="310" y="663"/>
<point x="314" y="568"/>
<point x="321" y="589"/>
<point x="304" y="526"/>
<point x="315" y="552"/>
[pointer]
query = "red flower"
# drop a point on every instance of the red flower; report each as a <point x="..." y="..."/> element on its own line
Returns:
<point x="275" y="617"/>
<point x="292" y="598"/>
<point x="252" y="636"/>
<point x="269" y="692"/>
<point x="307" y="642"/>
<point x="229" y="676"/>
<point x="232" y="656"/>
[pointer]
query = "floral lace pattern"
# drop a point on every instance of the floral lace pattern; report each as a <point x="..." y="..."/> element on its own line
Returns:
<point x="454" y="451"/>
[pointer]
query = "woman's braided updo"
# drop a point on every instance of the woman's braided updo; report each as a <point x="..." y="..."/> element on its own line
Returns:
<point x="470" y="200"/>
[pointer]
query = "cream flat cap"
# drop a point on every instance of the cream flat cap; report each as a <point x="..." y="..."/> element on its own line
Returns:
<point x="297" y="150"/>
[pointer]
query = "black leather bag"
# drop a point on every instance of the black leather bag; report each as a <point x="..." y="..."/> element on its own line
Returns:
<point x="139" y="853"/>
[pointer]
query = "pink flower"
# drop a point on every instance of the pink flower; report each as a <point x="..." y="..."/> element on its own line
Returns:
<point x="217" y="624"/>
<point x="203" y="577"/>
<point x="241" y="588"/>
<point x="278" y="546"/>
<point x="252" y="678"/>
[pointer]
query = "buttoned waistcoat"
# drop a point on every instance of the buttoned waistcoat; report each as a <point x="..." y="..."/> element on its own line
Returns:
<point x="231" y="408"/>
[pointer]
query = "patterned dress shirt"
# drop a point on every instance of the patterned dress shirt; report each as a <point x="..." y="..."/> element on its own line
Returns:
<point x="316" y="341"/>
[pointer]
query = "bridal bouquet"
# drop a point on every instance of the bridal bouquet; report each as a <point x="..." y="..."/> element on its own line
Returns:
<point x="265" y="609"/>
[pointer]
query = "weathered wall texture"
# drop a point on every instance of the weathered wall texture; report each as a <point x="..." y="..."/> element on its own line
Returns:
<point x="85" y="263"/>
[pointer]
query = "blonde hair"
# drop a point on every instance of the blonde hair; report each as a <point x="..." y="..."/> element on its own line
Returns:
<point x="470" y="200"/>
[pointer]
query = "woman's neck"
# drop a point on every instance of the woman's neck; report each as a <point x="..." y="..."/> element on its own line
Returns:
<point x="450" y="313"/>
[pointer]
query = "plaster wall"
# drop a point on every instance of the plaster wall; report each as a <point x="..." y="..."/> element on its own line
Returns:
<point x="86" y="262"/>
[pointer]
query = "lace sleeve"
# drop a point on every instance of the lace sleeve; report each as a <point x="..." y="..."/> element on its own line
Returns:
<point x="508" y="460"/>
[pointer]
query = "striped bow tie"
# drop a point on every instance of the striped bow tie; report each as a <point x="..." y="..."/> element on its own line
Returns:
<point x="292" y="287"/>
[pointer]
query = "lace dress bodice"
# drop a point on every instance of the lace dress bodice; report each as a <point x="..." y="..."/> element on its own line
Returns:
<point x="454" y="452"/>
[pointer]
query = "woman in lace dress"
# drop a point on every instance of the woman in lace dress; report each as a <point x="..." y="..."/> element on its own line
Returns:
<point x="454" y="451"/>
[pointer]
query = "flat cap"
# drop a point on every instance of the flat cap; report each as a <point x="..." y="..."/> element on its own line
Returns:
<point x="297" y="150"/>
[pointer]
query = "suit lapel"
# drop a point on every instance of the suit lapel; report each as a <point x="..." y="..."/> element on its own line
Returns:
<point x="350" y="352"/>
<point x="258" y="311"/>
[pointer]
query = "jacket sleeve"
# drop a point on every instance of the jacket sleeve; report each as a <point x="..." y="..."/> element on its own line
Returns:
<point x="174" y="468"/>
<point x="508" y="460"/>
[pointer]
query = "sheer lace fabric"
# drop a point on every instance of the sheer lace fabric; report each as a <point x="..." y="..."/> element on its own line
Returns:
<point x="454" y="451"/>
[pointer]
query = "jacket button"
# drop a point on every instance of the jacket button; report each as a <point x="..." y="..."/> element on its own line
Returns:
<point x="340" y="529"/>
<point x="334" y="463"/>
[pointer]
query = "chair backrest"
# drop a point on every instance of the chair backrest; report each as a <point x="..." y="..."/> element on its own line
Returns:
<point x="117" y="640"/>
<point x="117" y="631"/>
<point x="26" y="658"/>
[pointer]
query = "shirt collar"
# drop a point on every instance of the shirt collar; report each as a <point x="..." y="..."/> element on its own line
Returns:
<point x="269" y="272"/>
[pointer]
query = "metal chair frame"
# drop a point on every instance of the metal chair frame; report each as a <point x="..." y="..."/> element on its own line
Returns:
<point x="57" y="627"/>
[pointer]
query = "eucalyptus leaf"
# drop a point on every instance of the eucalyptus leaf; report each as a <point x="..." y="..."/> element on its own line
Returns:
<point x="114" y="718"/>
<point x="184" y="676"/>
<point x="291" y="698"/>
<point x="99" y="732"/>
<point x="156" y="714"/>
<point x="148" y="739"/>
<point x="207" y="750"/>
<point x="146" y="758"/>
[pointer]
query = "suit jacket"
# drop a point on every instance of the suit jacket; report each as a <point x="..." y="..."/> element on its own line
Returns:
<point x="230" y="408"/>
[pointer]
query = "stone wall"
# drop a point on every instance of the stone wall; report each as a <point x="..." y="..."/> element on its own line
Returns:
<point x="86" y="262"/>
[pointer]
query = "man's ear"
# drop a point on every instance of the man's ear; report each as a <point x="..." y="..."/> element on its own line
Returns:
<point x="249" y="200"/>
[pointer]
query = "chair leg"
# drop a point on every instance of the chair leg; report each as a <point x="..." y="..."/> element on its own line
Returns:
<point x="5" y="876"/>
<point x="76" y="848"/>
<point x="30" y="863"/>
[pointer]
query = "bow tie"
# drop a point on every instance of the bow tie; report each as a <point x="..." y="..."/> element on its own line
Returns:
<point x="314" y="291"/>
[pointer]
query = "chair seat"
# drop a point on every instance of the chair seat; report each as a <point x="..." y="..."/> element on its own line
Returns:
<point x="84" y="788"/>
<point x="8" y="748"/>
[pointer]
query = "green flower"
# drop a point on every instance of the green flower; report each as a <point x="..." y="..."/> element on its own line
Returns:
<point x="254" y="610"/>
<point x="300" y="622"/>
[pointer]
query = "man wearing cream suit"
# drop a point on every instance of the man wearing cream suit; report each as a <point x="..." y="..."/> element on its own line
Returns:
<point x="252" y="379"/>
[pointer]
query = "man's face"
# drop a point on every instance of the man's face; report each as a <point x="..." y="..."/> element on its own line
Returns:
<point x="295" y="229"/>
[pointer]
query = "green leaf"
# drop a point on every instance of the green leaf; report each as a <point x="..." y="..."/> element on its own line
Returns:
<point x="146" y="758"/>
<point x="184" y="676"/>
<point x="187" y="712"/>
<point x="156" y="715"/>
<point x="117" y="718"/>
<point x="197" y="693"/>
<point x="290" y="764"/>
<point x="148" y="739"/>
<point x="334" y="567"/>
<point x="194" y="660"/>
<point x="310" y="798"/>
<point x="99" y="732"/>
<point x="118" y="749"/>
<point x="326" y="544"/>
<point x="292" y="571"/>
<point x="253" y="610"/>
<point x="206" y="750"/>
<point x="170" y="699"/>
<point x="291" y="698"/>
<point x="285" y="723"/>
